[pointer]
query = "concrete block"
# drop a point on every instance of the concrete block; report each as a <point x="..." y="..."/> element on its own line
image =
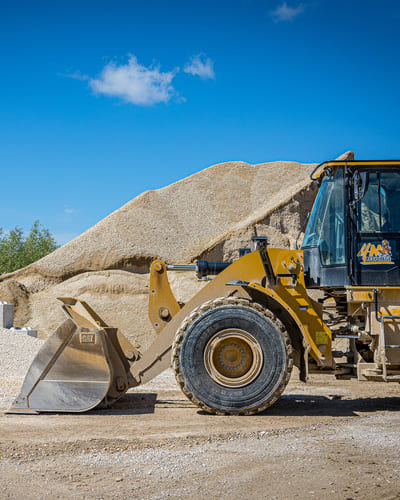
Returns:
<point x="26" y="330"/>
<point x="6" y="315"/>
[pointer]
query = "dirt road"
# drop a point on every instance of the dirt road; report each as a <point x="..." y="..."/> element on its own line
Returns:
<point x="327" y="439"/>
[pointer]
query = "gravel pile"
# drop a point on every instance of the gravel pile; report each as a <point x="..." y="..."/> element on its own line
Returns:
<point x="17" y="351"/>
<point x="180" y="221"/>
<point x="208" y="215"/>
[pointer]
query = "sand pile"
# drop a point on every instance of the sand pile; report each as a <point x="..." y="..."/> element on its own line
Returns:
<point x="207" y="215"/>
<point x="180" y="222"/>
<point x="119" y="297"/>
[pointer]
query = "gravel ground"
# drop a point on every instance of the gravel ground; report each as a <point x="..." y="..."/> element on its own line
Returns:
<point x="328" y="439"/>
<point x="303" y="457"/>
<point x="285" y="457"/>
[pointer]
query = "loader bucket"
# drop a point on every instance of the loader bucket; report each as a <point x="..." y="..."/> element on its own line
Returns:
<point x="82" y="365"/>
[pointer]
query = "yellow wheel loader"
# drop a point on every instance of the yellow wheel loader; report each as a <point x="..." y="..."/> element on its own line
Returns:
<point x="233" y="345"/>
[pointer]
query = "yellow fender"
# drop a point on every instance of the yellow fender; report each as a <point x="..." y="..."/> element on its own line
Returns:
<point x="245" y="277"/>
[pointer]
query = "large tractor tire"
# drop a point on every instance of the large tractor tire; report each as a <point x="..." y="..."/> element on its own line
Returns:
<point x="232" y="357"/>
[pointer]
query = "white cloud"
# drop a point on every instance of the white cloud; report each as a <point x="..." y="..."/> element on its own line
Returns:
<point x="286" y="13"/>
<point x="135" y="83"/>
<point x="201" y="66"/>
<point x="77" y="75"/>
<point x="68" y="210"/>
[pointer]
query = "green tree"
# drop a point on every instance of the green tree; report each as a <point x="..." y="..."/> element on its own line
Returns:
<point x="17" y="251"/>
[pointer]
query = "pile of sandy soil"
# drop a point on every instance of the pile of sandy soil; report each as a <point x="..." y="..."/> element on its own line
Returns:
<point x="207" y="215"/>
<point x="181" y="221"/>
<point x="119" y="297"/>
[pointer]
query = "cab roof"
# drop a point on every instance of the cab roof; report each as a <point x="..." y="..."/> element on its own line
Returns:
<point x="321" y="169"/>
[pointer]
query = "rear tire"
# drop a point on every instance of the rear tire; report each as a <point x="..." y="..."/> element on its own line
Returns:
<point x="232" y="357"/>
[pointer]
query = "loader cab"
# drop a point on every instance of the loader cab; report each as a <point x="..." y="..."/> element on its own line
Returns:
<point x="353" y="233"/>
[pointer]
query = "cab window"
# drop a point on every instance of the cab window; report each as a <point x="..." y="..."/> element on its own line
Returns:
<point x="326" y="228"/>
<point x="379" y="209"/>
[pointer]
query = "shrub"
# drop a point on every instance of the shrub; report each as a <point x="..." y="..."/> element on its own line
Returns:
<point x="18" y="250"/>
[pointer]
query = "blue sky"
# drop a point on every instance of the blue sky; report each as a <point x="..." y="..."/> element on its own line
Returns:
<point x="102" y="100"/>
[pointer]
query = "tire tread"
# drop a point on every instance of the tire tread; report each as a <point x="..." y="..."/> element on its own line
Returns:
<point x="230" y="301"/>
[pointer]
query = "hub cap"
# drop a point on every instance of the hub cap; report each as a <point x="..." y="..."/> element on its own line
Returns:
<point x="233" y="358"/>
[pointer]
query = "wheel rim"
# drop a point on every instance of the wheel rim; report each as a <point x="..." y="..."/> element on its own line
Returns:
<point x="233" y="358"/>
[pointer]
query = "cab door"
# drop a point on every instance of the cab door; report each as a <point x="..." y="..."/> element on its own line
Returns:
<point x="324" y="244"/>
<point x="376" y="245"/>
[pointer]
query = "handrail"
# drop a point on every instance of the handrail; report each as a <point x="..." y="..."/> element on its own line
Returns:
<point x="315" y="169"/>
